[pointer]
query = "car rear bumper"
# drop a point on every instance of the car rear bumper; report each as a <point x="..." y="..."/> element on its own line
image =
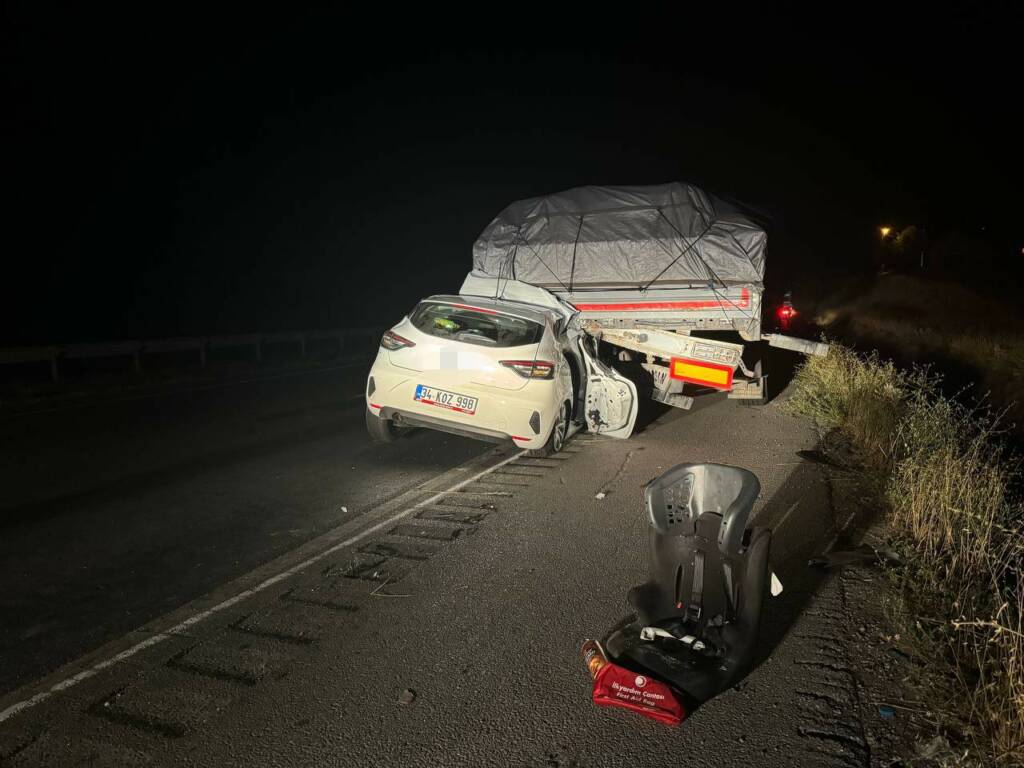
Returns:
<point x="522" y="417"/>
<point x="408" y="419"/>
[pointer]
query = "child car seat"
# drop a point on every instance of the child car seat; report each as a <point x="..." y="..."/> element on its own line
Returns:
<point x="697" y="616"/>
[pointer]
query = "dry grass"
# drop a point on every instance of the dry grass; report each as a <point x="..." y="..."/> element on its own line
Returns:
<point x="926" y="321"/>
<point x="948" y="486"/>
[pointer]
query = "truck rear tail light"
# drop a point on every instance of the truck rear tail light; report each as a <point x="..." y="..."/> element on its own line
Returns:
<point x="393" y="341"/>
<point x="786" y="312"/>
<point x="698" y="372"/>
<point x="531" y="369"/>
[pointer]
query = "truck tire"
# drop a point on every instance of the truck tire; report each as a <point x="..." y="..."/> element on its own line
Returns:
<point x="559" y="434"/>
<point x="381" y="430"/>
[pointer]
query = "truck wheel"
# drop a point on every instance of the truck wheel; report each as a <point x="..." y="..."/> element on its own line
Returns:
<point x="381" y="430"/>
<point x="559" y="433"/>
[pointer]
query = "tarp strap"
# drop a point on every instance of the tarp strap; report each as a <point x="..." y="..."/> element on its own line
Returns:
<point x="536" y="256"/>
<point x="576" y="242"/>
<point x="697" y="590"/>
<point x="682" y="253"/>
<point x="509" y="265"/>
<point x="721" y="299"/>
<point x="515" y="250"/>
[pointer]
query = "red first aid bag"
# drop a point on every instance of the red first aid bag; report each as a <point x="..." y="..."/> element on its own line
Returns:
<point x="616" y="686"/>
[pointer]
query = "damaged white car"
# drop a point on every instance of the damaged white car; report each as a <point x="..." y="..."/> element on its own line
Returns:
<point x="498" y="370"/>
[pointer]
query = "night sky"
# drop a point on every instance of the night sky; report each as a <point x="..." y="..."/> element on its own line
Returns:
<point x="181" y="174"/>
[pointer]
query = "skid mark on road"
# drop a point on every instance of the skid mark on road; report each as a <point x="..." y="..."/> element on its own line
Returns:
<point x="262" y="642"/>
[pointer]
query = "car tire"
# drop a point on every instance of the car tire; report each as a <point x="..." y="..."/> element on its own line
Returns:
<point x="559" y="434"/>
<point x="381" y="430"/>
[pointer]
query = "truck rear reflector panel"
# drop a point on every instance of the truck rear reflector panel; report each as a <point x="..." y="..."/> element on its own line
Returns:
<point x="702" y="373"/>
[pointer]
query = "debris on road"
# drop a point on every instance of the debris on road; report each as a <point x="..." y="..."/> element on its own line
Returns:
<point x="865" y="554"/>
<point x="935" y="748"/>
<point x="408" y="696"/>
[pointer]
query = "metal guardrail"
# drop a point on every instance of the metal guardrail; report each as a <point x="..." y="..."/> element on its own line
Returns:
<point x="200" y="344"/>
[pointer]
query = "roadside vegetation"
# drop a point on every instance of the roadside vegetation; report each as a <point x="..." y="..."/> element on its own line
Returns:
<point x="974" y="337"/>
<point x="949" y="488"/>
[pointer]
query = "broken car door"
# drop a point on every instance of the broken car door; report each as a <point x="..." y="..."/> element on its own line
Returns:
<point x="611" y="403"/>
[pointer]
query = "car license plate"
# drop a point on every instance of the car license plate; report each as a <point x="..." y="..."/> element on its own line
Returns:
<point x="445" y="399"/>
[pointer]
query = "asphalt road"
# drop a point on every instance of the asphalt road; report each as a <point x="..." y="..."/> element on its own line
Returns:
<point x="438" y="621"/>
<point x="113" y="514"/>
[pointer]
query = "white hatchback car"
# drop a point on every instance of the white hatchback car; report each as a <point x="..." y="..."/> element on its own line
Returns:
<point x="497" y="370"/>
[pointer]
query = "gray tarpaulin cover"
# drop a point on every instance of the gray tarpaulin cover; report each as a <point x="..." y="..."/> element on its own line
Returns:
<point x="628" y="237"/>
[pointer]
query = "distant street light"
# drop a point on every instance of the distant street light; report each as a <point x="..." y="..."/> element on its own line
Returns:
<point x="885" y="231"/>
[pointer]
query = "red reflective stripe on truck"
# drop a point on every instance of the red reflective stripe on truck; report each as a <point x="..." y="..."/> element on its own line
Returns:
<point x="743" y="303"/>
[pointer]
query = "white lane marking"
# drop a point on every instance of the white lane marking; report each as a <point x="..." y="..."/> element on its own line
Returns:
<point x="189" y="390"/>
<point x="149" y="642"/>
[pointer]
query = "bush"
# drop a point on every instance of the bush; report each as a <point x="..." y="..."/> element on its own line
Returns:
<point x="948" y="483"/>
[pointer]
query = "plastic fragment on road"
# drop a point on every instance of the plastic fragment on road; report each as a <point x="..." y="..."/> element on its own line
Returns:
<point x="600" y="495"/>
<point x="886" y="712"/>
<point x="408" y="696"/>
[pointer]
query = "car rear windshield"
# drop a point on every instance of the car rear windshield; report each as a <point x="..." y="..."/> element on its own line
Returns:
<point x="484" y="327"/>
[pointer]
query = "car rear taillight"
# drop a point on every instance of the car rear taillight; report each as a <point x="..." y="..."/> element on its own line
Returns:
<point x="531" y="369"/>
<point x="393" y="341"/>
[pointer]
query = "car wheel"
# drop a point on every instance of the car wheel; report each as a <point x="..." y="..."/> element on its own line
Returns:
<point x="381" y="430"/>
<point x="559" y="433"/>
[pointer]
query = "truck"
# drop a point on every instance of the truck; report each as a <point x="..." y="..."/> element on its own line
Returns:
<point x="656" y="290"/>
